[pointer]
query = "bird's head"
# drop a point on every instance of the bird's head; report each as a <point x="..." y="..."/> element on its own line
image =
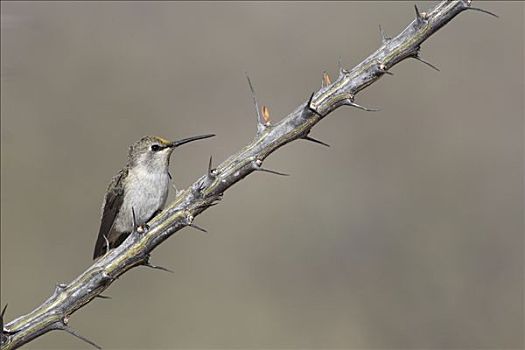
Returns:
<point x="154" y="152"/>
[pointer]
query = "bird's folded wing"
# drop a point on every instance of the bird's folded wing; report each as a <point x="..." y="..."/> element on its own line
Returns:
<point x="112" y="203"/>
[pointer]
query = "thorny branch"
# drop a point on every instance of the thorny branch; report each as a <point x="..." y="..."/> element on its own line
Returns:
<point x="54" y="313"/>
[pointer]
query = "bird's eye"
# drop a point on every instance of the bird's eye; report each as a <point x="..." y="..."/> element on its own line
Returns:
<point x="155" y="148"/>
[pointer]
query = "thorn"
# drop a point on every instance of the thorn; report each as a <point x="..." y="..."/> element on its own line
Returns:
<point x="196" y="189"/>
<point x="342" y="71"/>
<point x="384" y="38"/>
<point x="261" y="124"/>
<point x="3" y="311"/>
<point x="418" y="15"/>
<point x="326" y="80"/>
<point x="425" y="62"/>
<point x="211" y="172"/>
<point x="134" y="219"/>
<point x="75" y="334"/>
<point x="266" y="115"/>
<point x="169" y="175"/>
<point x="155" y="267"/>
<point x="350" y="102"/>
<point x="197" y="228"/>
<point x="200" y="186"/>
<point x="107" y="243"/>
<point x="482" y="10"/>
<point x="271" y="171"/>
<point x="107" y="277"/>
<point x="311" y="139"/>
<point x="59" y="287"/>
<point x="103" y="296"/>
<point x="175" y="189"/>
<point x="382" y="69"/>
<point x="421" y="17"/>
<point x="309" y="107"/>
<point x="215" y="200"/>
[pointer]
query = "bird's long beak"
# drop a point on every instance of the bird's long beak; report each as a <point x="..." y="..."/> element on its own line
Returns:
<point x="189" y="139"/>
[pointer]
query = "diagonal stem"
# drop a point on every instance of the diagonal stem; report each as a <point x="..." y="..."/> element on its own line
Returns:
<point x="135" y="250"/>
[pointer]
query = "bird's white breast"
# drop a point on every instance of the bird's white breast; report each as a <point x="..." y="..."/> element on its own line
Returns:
<point x="145" y="193"/>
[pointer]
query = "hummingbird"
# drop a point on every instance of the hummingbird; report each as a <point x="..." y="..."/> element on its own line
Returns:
<point x="138" y="192"/>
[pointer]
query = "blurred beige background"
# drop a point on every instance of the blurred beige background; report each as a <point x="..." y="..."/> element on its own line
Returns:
<point x="406" y="233"/>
